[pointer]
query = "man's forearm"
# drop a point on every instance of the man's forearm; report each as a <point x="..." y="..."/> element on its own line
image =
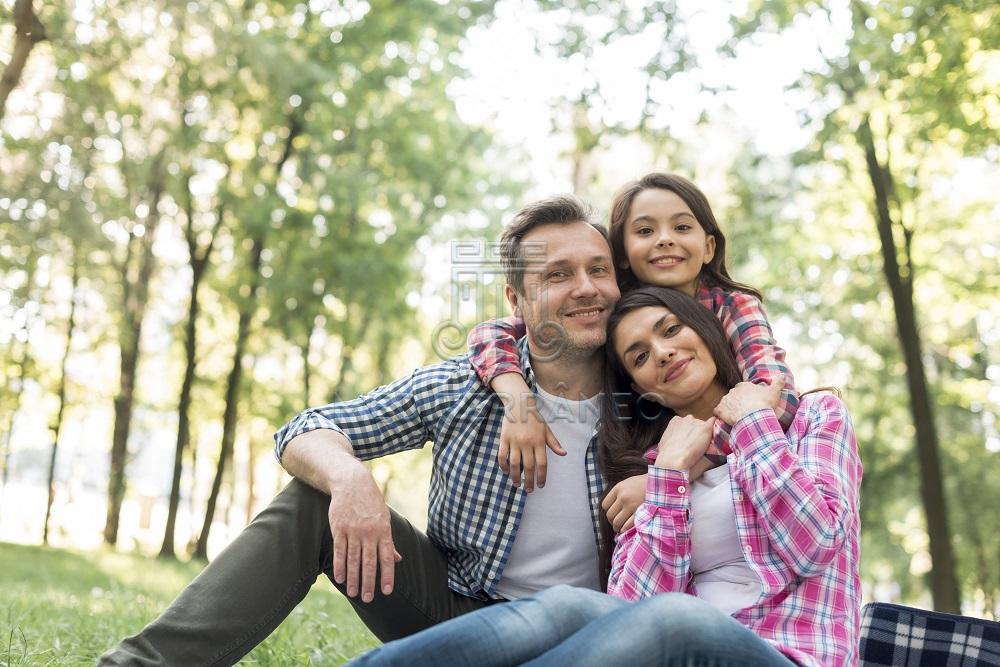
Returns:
<point x="322" y="458"/>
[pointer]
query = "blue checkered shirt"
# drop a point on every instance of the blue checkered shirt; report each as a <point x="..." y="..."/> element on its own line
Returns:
<point x="474" y="511"/>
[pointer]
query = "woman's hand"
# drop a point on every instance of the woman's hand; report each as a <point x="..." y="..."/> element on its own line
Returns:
<point x="683" y="442"/>
<point x="747" y="397"/>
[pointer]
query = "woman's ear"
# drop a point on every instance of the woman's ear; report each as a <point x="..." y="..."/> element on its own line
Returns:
<point x="636" y="389"/>
<point x="709" y="249"/>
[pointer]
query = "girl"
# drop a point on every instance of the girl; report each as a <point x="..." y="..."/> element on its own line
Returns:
<point x="663" y="233"/>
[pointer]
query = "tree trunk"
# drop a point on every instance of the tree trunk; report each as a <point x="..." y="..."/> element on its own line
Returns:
<point x="198" y="259"/>
<point x="247" y="309"/>
<point x="135" y="293"/>
<point x="250" y="480"/>
<point x="306" y="370"/>
<point x="183" y="411"/>
<point x="57" y="425"/>
<point x="23" y="362"/>
<point x="944" y="585"/>
<point x="29" y="31"/>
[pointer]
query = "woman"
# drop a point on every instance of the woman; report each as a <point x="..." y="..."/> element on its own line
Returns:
<point x="754" y="562"/>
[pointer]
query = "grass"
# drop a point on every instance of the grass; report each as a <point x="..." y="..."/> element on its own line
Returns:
<point x="60" y="607"/>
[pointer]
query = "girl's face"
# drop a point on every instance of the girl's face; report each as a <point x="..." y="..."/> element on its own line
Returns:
<point x="667" y="361"/>
<point x="664" y="243"/>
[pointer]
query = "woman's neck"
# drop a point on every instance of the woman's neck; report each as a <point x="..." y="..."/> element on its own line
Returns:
<point x="703" y="407"/>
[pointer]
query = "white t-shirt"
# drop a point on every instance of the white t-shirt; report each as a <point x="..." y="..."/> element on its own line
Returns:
<point x="721" y="574"/>
<point x="555" y="541"/>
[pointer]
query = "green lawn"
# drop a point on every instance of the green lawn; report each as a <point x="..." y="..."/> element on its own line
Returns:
<point x="62" y="607"/>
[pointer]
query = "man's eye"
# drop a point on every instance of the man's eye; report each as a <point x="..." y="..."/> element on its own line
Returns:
<point x="557" y="275"/>
<point x="600" y="269"/>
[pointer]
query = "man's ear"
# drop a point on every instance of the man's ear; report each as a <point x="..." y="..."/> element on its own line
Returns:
<point x="709" y="249"/>
<point x="514" y="299"/>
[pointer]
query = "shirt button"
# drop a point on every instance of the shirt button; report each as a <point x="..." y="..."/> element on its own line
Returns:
<point x="491" y="576"/>
<point x="681" y="489"/>
<point x="510" y="524"/>
<point x="747" y="550"/>
<point x="739" y="496"/>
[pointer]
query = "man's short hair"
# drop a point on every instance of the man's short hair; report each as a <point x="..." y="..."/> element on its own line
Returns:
<point x="557" y="210"/>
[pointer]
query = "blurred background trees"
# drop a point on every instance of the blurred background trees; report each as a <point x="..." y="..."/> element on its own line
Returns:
<point x="214" y="214"/>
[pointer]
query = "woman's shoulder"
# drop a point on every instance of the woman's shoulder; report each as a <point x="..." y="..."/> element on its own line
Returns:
<point x="822" y="405"/>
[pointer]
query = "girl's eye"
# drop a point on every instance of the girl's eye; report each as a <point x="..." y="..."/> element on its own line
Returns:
<point x="644" y="231"/>
<point x="683" y="227"/>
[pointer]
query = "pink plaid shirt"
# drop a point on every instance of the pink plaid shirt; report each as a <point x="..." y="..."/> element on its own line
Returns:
<point x="796" y="504"/>
<point x="493" y="350"/>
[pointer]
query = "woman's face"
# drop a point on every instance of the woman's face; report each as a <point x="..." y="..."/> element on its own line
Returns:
<point x="667" y="361"/>
<point x="664" y="243"/>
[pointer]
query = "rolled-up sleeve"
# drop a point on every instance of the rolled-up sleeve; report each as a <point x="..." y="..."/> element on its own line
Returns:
<point x="392" y="418"/>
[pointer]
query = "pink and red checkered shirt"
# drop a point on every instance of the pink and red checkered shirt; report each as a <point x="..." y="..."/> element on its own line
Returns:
<point x="493" y="350"/>
<point x="796" y="503"/>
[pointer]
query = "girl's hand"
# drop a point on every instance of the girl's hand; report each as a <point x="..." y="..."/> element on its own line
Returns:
<point x="683" y="442"/>
<point x="747" y="397"/>
<point x="623" y="500"/>
<point x="524" y="435"/>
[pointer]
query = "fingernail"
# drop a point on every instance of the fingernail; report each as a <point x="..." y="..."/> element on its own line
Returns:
<point x="367" y="597"/>
<point x="351" y="592"/>
<point x="386" y="590"/>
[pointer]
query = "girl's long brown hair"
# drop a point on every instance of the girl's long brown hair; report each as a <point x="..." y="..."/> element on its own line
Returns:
<point x="630" y="422"/>
<point x="713" y="274"/>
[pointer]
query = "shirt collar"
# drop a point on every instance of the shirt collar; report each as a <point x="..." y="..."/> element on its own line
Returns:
<point x="529" y="375"/>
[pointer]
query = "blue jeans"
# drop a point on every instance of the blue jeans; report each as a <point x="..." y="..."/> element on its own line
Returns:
<point x="573" y="626"/>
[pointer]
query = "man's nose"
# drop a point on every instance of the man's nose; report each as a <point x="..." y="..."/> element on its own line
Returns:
<point x="584" y="285"/>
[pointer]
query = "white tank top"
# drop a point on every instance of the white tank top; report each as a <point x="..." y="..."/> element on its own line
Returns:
<point x="721" y="574"/>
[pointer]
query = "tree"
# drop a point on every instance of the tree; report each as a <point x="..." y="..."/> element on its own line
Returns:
<point x="29" y="31"/>
<point x="882" y="89"/>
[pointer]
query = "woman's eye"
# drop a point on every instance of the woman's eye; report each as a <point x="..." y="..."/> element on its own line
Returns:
<point x="639" y="359"/>
<point x="671" y="330"/>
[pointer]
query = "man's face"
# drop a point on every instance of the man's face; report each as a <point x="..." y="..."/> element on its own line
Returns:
<point x="569" y="288"/>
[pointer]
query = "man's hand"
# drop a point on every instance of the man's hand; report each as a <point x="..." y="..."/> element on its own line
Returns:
<point x="524" y="435"/>
<point x="623" y="500"/>
<point x="359" y="518"/>
<point x="747" y="397"/>
<point x="362" y="538"/>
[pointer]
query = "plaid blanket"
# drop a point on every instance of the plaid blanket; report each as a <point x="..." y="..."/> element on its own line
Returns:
<point x="905" y="637"/>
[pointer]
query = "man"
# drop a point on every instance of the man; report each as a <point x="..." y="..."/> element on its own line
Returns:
<point x="486" y="540"/>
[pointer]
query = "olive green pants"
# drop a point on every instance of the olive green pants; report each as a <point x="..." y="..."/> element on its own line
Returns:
<point x="249" y="589"/>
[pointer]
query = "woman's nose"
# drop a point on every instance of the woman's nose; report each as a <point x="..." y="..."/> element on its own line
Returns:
<point x="664" y="353"/>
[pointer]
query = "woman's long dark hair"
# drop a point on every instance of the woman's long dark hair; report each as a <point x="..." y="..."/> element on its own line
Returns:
<point x="714" y="273"/>
<point x="630" y="423"/>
